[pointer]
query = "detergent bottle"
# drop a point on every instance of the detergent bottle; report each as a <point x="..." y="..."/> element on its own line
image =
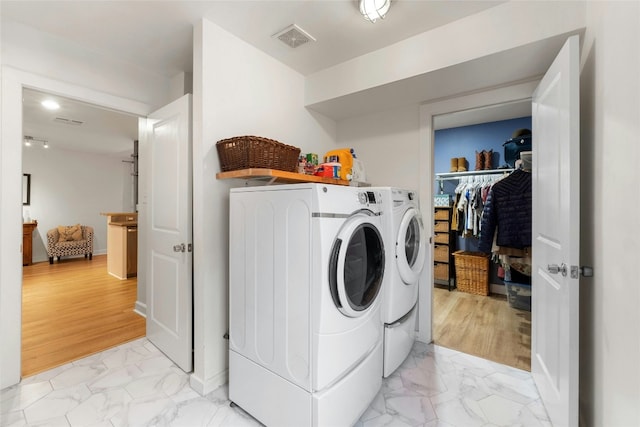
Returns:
<point x="345" y="158"/>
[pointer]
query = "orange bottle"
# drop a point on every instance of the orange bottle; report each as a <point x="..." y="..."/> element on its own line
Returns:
<point x="345" y="158"/>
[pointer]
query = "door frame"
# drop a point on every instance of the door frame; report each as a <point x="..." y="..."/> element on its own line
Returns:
<point x="13" y="82"/>
<point x="515" y="93"/>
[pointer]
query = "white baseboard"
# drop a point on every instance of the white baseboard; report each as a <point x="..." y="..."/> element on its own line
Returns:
<point x="497" y="289"/>
<point x="140" y="308"/>
<point x="207" y="386"/>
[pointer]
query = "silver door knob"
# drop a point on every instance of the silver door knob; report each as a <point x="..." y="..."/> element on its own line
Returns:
<point x="179" y="248"/>
<point x="555" y="269"/>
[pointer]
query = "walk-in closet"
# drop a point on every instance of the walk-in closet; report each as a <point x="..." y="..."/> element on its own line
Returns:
<point x="482" y="291"/>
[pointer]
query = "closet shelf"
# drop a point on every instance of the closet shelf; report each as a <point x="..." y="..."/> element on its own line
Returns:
<point x="456" y="175"/>
<point x="277" y="176"/>
<point x="446" y="176"/>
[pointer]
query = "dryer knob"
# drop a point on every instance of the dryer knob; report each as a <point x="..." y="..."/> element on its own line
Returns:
<point x="362" y="198"/>
<point x="410" y="196"/>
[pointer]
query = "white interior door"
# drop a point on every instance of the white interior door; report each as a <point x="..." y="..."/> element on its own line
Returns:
<point x="169" y="216"/>
<point x="556" y="239"/>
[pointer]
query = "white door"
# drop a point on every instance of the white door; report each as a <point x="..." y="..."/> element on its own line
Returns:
<point x="556" y="225"/>
<point x="169" y="263"/>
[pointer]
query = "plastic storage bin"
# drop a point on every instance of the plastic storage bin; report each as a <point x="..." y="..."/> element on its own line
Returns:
<point x="519" y="295"/>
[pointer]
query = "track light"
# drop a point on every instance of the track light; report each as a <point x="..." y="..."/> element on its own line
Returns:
<point x="29" y="141"/>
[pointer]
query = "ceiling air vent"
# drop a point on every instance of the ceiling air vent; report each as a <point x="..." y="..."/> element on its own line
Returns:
<point x="68" y="121"/>
<point x="294" y="36"/>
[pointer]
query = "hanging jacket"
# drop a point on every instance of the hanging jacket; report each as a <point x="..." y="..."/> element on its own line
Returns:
<point x="508" y="208"/>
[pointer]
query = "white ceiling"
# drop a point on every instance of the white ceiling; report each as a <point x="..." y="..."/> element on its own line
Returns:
<point x="157" y="35"/>
<point x="101" y="131"/>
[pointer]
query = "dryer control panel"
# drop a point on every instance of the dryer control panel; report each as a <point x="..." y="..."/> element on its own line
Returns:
<point x="369" y="198"/>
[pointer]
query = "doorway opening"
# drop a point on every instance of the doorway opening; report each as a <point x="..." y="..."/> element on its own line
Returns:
<point x="73" y="307"/>
<point x="472" y="309"/>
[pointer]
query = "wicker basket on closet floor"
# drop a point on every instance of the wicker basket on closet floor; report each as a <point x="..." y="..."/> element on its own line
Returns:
<point x="472" y="272"/>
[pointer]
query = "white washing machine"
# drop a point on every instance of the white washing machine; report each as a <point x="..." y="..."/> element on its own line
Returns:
<point x="306" y="265"/>
<point x="405" y="243"/>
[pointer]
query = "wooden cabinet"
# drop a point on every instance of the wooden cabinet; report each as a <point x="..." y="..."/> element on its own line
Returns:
<point x="444" y="246"/>
<point x="122" y="244"/>
<point x="27" y="242"/>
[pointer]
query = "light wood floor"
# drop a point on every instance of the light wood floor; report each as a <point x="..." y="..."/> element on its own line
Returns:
<point x="73" y="309"/>
<point x="486" y="327"/>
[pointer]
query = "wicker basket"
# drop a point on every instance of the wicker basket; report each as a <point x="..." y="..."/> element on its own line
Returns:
<point x="441" y="253"/>
<point x="472" y="272"/>
<point x="243" y="152"/>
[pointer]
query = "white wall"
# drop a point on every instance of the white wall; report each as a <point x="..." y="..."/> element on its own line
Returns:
<point x="71" y="187"/>
<point x="36" y="60"/>
<point x="238" y="90"/>
<point x="609" y="338"/>
<point x="387" y="144"/>
<point x="28" y="49"/>
<point x="506" y="26"/>
<point x="610" y="153"/>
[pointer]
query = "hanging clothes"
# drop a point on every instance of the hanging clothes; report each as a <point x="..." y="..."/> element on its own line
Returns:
<point x="470" y="198"/>
<point x="455" y="217"/>
<point x="507" y="212"/>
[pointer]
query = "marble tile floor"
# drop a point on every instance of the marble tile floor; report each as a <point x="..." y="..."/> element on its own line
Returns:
<point x="136" y="385"/>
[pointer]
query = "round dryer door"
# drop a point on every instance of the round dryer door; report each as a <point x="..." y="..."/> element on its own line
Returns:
<point x="410" y="247"/>
<point x="356" y="266"/>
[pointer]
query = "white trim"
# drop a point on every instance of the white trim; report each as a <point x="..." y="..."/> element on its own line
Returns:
<point x="79" y="93"/>
<point x="496" y="288"/>
<point x="141" y="309"/>
<point x="517" y="92"/>
<point x="204" y="387"/>
<point x="13" y="81"/>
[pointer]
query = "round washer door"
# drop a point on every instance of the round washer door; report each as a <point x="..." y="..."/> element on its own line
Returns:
<point x="356" y="266"/>
<point x="410" y="246"/>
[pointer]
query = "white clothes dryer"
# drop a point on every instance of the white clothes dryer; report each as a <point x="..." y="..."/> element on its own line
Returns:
<point x="405" y="243"/>
<point x="306" y="265"/>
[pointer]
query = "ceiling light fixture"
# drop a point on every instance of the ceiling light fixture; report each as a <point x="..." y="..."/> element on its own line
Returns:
<point x="30" y="140"/>
<point x="50" y="104"/>
<point x="372" y="10"/>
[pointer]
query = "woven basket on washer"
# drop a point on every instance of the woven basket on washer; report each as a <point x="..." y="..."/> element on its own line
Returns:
<point x="243" y="152"/>
<point x="472" y="272"/>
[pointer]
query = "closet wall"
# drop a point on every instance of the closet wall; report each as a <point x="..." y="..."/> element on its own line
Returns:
<point x="464" y="142"/>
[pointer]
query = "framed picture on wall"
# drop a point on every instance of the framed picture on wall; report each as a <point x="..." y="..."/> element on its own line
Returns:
<point x="26" y="189"/>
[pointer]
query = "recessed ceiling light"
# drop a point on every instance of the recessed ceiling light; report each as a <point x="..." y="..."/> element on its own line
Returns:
<point x="50" y="104"/>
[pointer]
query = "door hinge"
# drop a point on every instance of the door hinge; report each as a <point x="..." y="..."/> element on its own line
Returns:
<point x="584" y="270"/>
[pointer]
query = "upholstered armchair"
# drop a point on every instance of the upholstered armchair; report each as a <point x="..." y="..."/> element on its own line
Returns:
<point x="70" y="240"/>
